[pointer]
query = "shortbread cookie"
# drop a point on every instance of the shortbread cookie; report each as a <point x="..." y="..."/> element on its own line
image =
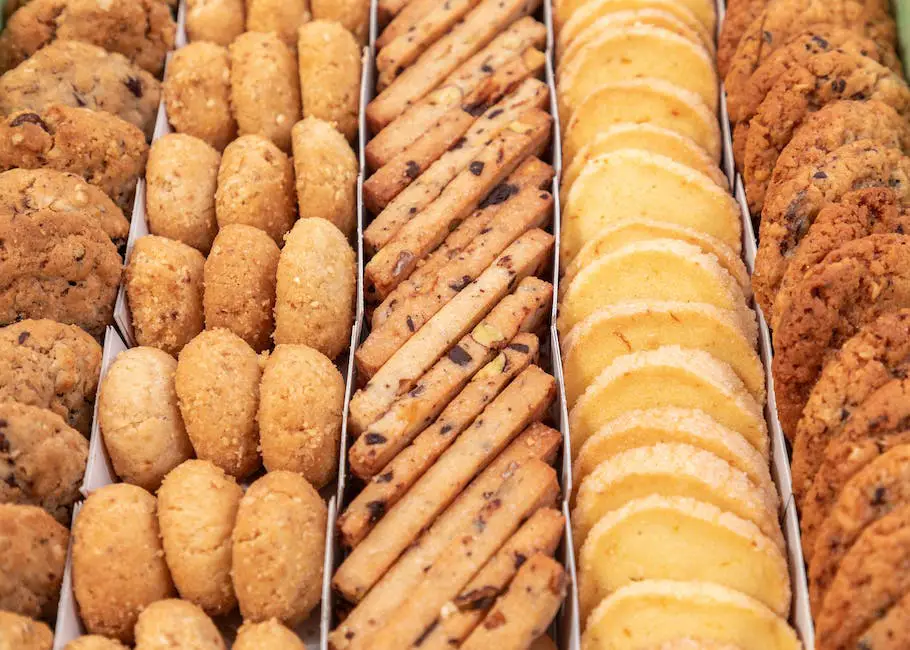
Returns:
<point x="738" y="16"/>
<point x="216" y="21"/>
<point x="175" y="622"/>
<point x="269" y="634"/>
<point x="620" y="185"/>
<point x="94" y="642"/>
<point x="853" y="286"/>
<point x="669" y="376"/>
<point x="106" y="151"/>
<point x="284" y="17"/>
<point x="82" y="75"/>
<point x="22" y="632"/>
<point x="565" y="10"/>
<point x="619" y="329"/>
<point x="353" y="15"/>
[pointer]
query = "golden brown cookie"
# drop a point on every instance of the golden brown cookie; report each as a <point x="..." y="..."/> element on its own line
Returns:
<point x="891" y="631"/>
<point x="737" y="18"/>
<point x="354" y="15"/>
<point x="270" y="634"/>
<point x="217" y="21"/>
<point x="174" y="623"/>
<point x="94" y="642"/>
<point x="22" y="633"/>
<point x="284" y="17"/>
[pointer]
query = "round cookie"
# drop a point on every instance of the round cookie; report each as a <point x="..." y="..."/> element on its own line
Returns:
<point x="353" y="15"/>
<point x="300" y="405"/>
<point x="788" y="214"/>
<point x="240" y="277"/>
<point x="565" y="10"/>
<point x="42" y="460"/>
<point x="31" y="190"/>
<point x="270" y="634"/>
<point x="216" y="21"/>
<point x="51" y="365"/>
<point x="279" y="544"/>
<point x="284" y="17"/>
<point x="140" y="419"/>
<point x="256" y="187"/>
<point x="326" y="172"/>
<point x="217" y="383"/>
<point x="22" y="633"/>
<point x="853" y="286"/>
<point x="197" y="93"/>
<point x="265" y="90"/>
<point x="57" y="265"/>
<point x="164" y="285"/>
<point x="142" y="31"/>
<point x="880" y="487"/>
<point x="32" y="554"/>
<point x="891" y="631"/>
<point x="82" y="75"/>
<point x="173" y="623"/>
<point x="180" y="183"/>
<point x="94" y="642"/>
<point x="738" y="16"/>
<point x="878" y="353"/>
<point x="314" y="302"/>
<point x="873" y="575"/>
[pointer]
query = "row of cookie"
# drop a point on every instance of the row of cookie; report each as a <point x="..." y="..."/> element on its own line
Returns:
<point x="674" y="496"/>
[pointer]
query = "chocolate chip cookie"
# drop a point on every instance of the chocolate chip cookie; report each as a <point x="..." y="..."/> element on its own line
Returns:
<point x="42" y="460"/>
<point x="141" y="30"/>
<point x="891" y="631"/>
<point x="51" y="365"/>
<point x="823" y="78"/>
<point x="850" y="288"/>
<point x="790" y="212"/>
<point x="81" y="75"/>
<point x="739" y="15"/>
<point x="108" y="152"/>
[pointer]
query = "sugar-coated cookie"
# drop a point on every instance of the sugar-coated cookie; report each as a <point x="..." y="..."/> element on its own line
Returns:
<point x="216" y="21"/>
<point x="23" y="633"/>
<point x="269" y="634"/>
<point x="168" y="623"/>
<point x="283" y="17"/>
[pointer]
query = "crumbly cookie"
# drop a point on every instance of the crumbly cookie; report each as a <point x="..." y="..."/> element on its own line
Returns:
<point x="891" y="631"/>
<point x="284" y="17"/>
<point x="94" y="642"/>
<point x="265" y="89"/>
<point x="853" y="286"/>
<point x="175" y="623"/>
<point x="107" y="152"/>
<point x="789" y="213"/>
<point x="824" y="78"/>
<point x="873" y="576"/>
<point x="51" y="365"/>
<point x="329" y="60"/>
<point x="142" y="31"/>
<point x="216" y="21"/>
<point x="354" y="15"/>
<point x="270" y="634"/>
<point x="180" y="185"/>
<point x="82" y="75"/>
<point x="23" y="633"/>
<point x="58" y="265"/>
<point x="197" y="93"/>
<point x="739" y="15"/>
<point x="32" y="554"/>
<point x="42" y="460"/>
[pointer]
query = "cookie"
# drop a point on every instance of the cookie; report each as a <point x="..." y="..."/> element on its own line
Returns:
<point x="106" y="151"/>
<point x="789" y="213"/>
<point x="314" y="302"/>
<point x="853" y="286"/>
<point x="168" y="623"/>
<point x="94" y="642"/>
<point x="58" y="265"/>
<point x="33" y="549"/>
<point x="278" y="549"/>
<point x="890" y="631"/>
<point x="866" y="362"/>
<point x="738" y="16"/>
<point x="141" y="31"/>
<point x="53" y="366"/>
<point x="163" y="281"/>
<point x="825" y="78"/>
<point x="197" y="93"/>
<point x="239" y="278"/>
<point x="216" y="21"/>
<point x="354" y="15"/>
<point x="140" y="419"/>
<point x="180" y="184"/>
<point x="269" y="634"/>
<point x="22" y="633"/>
<point x="82" y="75"/>
<point x="256" y="187"/>
<point x="42" y="460"/>
<point x="300" y="406"/>
<point x="326" y="170"/>
<point x="704" y="11"/>
<point x="282" y="17"/>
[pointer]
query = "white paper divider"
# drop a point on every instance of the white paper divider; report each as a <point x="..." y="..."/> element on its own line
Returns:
<point x="68" y="626"/>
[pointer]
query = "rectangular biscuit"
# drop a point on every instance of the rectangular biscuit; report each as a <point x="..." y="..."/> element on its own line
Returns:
<point x="539" y="534"/>
<point x="398" y="16"/>
<point x="395" y="261"/>
<point x="525" y="611"/>
<point x="386" y="487"/>
<point x="459" y="316"/>
<point x="525" y="400"/>
<point x="428" y="186"/>
<point x="531" y="487"/>
<point x="478" y="28"/>
<point x="537" y="441"/>
<point x="388" y="9"/>
<point x="530" y="208"/>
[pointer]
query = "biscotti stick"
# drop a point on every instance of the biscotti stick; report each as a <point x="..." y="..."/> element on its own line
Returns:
<point x="531" y="208"/>
<point x="401" y="21"/>
<point x="480" y="26"/>
<point x="385" y="489"/>
<point x="537" y="441"/>
<point x="450" y="323"/>
<point x="526" y="609"/>
<point x="426" y="187"/>
<point x="391" y="8"/>
<point x="524" y="401"/>
<point x="530" y="488"/>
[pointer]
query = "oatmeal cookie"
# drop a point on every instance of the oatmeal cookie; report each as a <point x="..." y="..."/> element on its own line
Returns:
<point x="891" y="631"/>
<point x="216" y="21"/>
<point x="738" y="17"/>
<point x="141" y="30"/>
<point x="82" y="75"/>
<point x="790" y="212"/>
